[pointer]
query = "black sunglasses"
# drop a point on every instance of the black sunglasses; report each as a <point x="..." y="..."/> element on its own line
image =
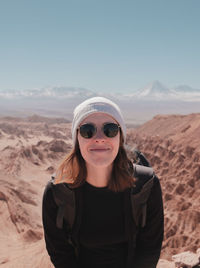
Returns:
<point x="88" y="130"/>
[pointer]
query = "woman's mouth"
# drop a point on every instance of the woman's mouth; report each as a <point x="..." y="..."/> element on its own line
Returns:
<point x="99" y="149"/>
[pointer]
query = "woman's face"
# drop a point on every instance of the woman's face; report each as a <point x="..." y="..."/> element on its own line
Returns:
<point x="99" y="151"/>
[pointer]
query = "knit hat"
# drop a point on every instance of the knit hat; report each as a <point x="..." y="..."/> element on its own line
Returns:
<point x="95" y="105"/>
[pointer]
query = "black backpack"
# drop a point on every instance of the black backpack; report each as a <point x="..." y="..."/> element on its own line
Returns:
<point x="64" y="196"/>
<point x="139" y="158"/>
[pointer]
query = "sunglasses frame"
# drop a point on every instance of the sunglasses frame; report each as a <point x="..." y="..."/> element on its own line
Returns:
<point x="102" y="129"/>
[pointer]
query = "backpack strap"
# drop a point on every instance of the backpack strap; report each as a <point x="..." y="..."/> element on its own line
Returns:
<point x="140" y="193"/>
<point x="139" y="158"/>
<point x="65" y="200"/>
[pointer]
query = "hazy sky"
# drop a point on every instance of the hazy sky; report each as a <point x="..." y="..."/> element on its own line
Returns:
<point x="102" y="45"/>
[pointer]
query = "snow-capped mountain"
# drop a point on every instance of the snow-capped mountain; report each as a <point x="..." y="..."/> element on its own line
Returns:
<point x="154" y="88"/>
<point x="48" y="92"/>
<point x="187" y="93"/>
<point x="154" y="91"/>
<point x="186" y="89"/>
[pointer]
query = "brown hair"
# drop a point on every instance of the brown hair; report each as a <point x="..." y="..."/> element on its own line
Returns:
<point x="73" y="170"/>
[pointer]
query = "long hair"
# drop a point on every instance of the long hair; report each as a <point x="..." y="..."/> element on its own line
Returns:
<point x="73" y="170"/>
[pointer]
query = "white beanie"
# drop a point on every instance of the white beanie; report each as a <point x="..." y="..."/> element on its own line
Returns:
<point x="95" y="105"/>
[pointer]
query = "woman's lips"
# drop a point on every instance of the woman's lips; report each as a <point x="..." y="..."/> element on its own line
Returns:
<point x="99" y="149"/>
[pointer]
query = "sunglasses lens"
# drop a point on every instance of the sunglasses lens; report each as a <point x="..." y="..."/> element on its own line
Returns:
<point x="111" y="130"/>
<point x="87" y="131"/>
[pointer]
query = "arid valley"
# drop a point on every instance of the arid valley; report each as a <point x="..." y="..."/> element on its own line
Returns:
<point x="31" y="149"/>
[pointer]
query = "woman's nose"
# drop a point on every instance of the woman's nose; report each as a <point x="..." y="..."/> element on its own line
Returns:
<point x="99" y="134"/>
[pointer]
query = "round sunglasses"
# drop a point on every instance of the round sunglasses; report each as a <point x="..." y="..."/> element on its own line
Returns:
<point x="88" y="130"/>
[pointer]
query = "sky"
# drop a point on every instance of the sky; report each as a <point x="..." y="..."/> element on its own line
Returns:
<point x="101" y="45"/>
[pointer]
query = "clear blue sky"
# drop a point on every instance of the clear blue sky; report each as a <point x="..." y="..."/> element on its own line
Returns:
<point x="102" y="45"/>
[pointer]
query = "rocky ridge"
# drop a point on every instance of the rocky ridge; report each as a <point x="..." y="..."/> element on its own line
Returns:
<point x="171" y="143"/>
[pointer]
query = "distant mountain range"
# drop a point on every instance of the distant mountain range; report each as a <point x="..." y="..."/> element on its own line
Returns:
<point x="48" y="92"/>
<point x="154" y="91"/>
<point x="138" y="106"/>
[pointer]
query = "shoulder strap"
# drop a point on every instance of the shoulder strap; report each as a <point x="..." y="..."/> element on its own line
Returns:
<point x="140" y="193"/>
<point x="143" y="171"/>
<point x="139" y="158"/>
<point x="65" y="200"/>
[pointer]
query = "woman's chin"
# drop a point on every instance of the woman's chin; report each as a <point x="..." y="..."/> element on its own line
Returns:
<point x="100" y="163"/>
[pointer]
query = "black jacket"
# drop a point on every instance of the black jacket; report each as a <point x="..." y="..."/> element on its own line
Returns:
<point x="144" y="242"/>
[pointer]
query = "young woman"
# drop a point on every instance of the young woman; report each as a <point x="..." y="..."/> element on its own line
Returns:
<point x="102" y="181"/>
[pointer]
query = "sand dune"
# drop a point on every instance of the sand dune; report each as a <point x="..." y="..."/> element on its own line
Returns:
<point x="32" y="148"/>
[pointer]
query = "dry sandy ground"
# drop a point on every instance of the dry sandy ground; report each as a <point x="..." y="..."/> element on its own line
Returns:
<point x="32" y="148"/>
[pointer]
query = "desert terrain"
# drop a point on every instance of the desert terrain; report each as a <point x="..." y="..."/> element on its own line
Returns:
<point x="31" y="149"/>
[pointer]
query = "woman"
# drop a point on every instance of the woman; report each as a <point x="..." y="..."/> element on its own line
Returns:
<point x="102" y="182"/>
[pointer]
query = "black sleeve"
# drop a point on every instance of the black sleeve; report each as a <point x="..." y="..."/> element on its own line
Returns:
<point x="61" y="253"/>
<point x="150" y="237"/>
